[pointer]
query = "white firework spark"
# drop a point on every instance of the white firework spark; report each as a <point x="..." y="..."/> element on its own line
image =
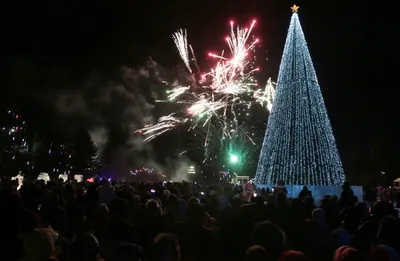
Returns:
<point x="213" y="98"/>
<point x="180" y="39"/>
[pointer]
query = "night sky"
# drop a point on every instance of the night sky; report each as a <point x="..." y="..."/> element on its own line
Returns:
<point x="50" y="47"/>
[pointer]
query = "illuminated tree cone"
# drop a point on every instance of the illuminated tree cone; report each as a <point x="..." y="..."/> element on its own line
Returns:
<point x="299" y="147"/>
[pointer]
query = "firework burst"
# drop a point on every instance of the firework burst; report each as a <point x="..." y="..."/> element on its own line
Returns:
<point x="214" y="100"/>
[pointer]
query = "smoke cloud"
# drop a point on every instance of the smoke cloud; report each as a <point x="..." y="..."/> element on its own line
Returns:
<point x="99" y="136"/>
<point x="112" y="110"/>
<point x="179" y="169"/>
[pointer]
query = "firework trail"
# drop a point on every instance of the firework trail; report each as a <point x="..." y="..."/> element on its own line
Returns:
<point x="266" y="97"/>
<point x="164" y="124"/>
<point x="212" y="102"/>
<point x="180" y="39"/>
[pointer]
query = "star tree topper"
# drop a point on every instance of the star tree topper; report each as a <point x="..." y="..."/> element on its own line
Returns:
<point x="295" y="8"/>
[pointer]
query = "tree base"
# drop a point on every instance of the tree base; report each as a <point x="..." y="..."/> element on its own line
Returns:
<point x="318" y="192"/>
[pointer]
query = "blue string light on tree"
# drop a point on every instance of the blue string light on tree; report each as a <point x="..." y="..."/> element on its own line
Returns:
<point x="299" y="147"/>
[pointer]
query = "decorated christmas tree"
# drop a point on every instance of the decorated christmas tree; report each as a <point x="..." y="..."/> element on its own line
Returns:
<point x="61" y="158"/>
<point x="15" y="153"/>
<point x="299" y="147"/>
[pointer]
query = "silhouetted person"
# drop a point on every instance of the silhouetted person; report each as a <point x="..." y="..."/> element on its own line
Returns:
<point x="165" y="248"/>
<point x="304" y="193"/>
<point x="256" y="253"/>
<point x="271" y="237"/>
<point x="280" y="188"/>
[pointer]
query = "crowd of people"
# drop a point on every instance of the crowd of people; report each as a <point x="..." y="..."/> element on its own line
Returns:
<point x="121" y="221"/>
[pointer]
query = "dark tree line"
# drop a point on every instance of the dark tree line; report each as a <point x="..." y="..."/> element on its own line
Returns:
<point x="35" y="150"/>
